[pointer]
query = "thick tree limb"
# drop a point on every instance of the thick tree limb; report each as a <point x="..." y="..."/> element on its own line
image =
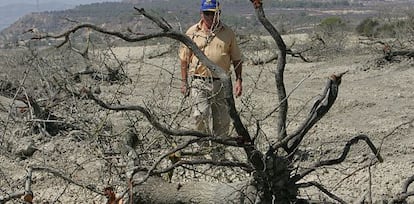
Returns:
<point x="405" y="53"/>
<point x="281" y="62"/>
<point x="407" y="183"/>
<point x="319" y="109"/>
<point x="402" y="197"/>
<point x="342" y="157"/>
<point x="156" y="190"/>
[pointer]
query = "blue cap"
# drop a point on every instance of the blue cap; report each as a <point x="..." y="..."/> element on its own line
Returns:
<point x="210" y="5"/>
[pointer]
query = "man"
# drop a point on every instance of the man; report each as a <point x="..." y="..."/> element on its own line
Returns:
<point x="218" y="42"/>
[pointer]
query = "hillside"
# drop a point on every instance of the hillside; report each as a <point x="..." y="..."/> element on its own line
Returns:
<point x="11" y="11"/>
<point x="290" y="16"/>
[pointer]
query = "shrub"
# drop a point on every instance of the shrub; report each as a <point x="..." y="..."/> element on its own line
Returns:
<point x="332" y="24"/>
<point x="367" y="27"/>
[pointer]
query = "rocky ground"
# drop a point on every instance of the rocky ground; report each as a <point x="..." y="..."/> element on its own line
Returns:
<point x="375" y="98"/>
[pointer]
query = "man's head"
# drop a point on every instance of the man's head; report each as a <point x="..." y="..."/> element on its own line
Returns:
<point x="210" y="5"/>
<point x="210" y="10"/>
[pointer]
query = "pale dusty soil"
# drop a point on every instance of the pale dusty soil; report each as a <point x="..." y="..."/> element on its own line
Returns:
<point x="373" y="100"/>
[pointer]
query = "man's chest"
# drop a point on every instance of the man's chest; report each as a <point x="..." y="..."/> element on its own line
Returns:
<point x="217" y="42"/>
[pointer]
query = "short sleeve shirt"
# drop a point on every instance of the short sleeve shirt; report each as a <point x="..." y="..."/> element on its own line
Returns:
<point x="219" y="46"/>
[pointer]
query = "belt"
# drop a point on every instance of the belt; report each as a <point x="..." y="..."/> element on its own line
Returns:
<point x="208" y="79"/>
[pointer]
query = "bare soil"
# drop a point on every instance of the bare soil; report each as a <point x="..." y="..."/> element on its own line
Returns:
<point x="375" y="99"/>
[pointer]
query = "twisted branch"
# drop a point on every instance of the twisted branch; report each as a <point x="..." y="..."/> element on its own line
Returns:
<point x="321" y="188"/>
<point x="321" y="106"/>
<point x="402" y="197"/>
<point x="342" y="157"/>
<point x="281" y="62"/>
<point x="28" y="194"/>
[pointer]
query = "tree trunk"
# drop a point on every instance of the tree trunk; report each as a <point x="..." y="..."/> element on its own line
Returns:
<point x="156" y="190"/>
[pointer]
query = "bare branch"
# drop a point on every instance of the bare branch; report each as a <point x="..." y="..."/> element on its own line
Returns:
<point x="407" y="183"/>
<point x="342" y="157"/>
<point x="15" y="195"/>
<point x="393" y="131"/>
<point x="164" y="129"/>
<point x="160" y="22"/>
<point x="168" y="32"/>
<point x="321" y="188"/>
<point x="319" y="109"/>
<point x="275" y="57"/>
<point x="27" y="192"/>
<point x="299" y="54"/>
<point x="67" y="179"/>
<point x="281" y="62"/>
<point x="151" y="170"/>
<point x="226" y="82"/>
<point x="242" y="165"/>
<point x="402" y="197"/>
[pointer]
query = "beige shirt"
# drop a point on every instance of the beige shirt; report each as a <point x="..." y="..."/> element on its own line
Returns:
<point x="220" y="47"/>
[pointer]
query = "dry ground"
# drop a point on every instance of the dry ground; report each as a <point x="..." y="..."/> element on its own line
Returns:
<point x="373" y="100"/>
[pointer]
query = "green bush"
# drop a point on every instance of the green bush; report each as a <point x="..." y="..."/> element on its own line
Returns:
<point x="373" y="28"/>
<point x="386" y="30"/>
<point x="368" y="27"/>
<point x="332" y="24"/>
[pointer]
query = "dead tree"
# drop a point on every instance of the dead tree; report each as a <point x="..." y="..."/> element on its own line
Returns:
<point x="273" y="177"/>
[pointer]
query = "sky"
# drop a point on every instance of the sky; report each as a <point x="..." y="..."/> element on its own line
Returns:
<point x="71" y="2"/>
<point x="12" y="10"/>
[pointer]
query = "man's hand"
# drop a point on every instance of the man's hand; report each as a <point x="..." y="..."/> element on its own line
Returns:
<point x="238" y="88"/>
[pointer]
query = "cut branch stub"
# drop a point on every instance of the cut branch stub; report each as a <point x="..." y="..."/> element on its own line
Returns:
<point x="256" y="3"/>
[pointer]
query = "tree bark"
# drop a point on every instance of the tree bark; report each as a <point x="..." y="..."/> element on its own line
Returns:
<point x="156" y="190"/>
<point x="390" y="55"/>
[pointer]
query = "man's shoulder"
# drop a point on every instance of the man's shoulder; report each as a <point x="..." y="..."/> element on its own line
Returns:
<point x="192" y="29"/>
<point x="227" y="29"/>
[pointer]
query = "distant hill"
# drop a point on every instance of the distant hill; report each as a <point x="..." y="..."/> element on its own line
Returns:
<point x="11" y="11"/>
<point x="112" y="15"/>
<point x="68" y="2"/>
<point x="287" y="15"/>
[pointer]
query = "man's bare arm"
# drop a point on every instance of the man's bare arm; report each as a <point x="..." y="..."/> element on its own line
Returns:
<point x="238" y="69"/>
<point x="238" y="88"/>
<point x="184" y="76"/>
